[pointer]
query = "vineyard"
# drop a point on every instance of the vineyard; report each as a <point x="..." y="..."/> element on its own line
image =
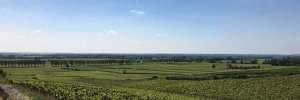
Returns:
<point x="64" y="91"/>
<point x="287" y="87"/>
<point x="106" y="80"/>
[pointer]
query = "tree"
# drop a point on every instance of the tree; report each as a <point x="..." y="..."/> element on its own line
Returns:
<point x="71" y="62"/>
<point x="43" y="62"/>
<point x="213" y="66"/>
<point x="230" y="66"/>
<point x="233" y="61"/>
<point x="242" y="61"/>
<point x="254" y="61"/>
<point x="67" y="65"/>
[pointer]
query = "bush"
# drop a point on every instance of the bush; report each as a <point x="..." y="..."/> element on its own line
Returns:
<point x="124" y="72"/>
<point x="213" y="66"/>
<point x="155" y="77"/>
<point x="35" y="78"/>
<point x="77" y="69"/>
<point x="2" y="73"/>
<point x="240" y="77"/>
<point x="215" y="77"/>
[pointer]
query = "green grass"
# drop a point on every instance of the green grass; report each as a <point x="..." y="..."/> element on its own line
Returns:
<point x="115" y="72"/>
<point x="279" y="87"/>
<point x="136" y="78"/>
<point x="3" y="80"/>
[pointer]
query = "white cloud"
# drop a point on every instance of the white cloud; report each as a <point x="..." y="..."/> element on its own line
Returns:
<point x="112" y="32"/>
<point x="37" y="31"/>
<point x="133" y="11"/>
<point x="160" y="34"/>
<point x="3" y="8"/>
<point x="10" y="35"/>
<point x="137" y="12"/>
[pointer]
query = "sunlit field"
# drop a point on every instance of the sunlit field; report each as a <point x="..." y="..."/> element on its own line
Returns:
<point x="136" y="83"/>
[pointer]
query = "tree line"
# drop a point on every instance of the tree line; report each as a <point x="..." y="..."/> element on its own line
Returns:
<point x="56" y="63"/>
<point x="253" y="61"/>
<point x="22" y="63"/>
<point x="283" y="61"/>
<point x="172" y="61"/>
<point x="230" y="60"/>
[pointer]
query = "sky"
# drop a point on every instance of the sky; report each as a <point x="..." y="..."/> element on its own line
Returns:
<point x="151" y="26"/>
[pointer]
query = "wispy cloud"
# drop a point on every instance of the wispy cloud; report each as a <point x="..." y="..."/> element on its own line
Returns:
<point x="160" y="34"/>
<point x="37" y="31"/>
<point x="137" y="12"/>
<point x="10" y="35"/>
<point x="3" y="9"/>
<point x="112" y="32"/>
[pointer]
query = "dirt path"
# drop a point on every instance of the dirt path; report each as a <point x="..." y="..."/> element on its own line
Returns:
<point x="7" y="91"/>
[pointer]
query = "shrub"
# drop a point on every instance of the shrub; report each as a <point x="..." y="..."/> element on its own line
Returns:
<point x="155" y="77"/>
<point x="215" y="77"/>
<point x="124" y="72"/>
<point x="35" y="78"/>
<point x="213" y="66"/>
<point x="11" y="81"/>
<point x="2" y="73"/>
<point x="77" y="69"/>
<point x="240" y="76"/>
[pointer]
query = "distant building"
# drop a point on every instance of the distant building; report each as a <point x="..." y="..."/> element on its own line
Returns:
<point x="226" y="67"/>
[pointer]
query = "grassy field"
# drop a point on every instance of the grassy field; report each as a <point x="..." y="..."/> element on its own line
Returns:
<point x="136" y="79"/>
<point x="115" y="72"/>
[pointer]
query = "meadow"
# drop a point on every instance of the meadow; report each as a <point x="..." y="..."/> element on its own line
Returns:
<point x="110" y="82"/>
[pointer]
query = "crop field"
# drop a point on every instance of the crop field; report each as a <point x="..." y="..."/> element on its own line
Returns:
<point x="110" y="82"/>
<point x="115" y="72"/>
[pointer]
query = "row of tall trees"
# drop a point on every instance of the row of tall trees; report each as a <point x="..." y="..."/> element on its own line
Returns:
<point x="243" y="62"/>
<point x="172" y="61"/>
<point x="56" y="63"/>
<point x="214" y="59"/>
<point x="22" y="63"/>
<point x="283" y="62"/>
<point x="231" y="60"/>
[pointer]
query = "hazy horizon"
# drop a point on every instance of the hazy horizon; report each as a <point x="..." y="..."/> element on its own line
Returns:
<point x="140" y="53"/>
<point x="151" y="26"/>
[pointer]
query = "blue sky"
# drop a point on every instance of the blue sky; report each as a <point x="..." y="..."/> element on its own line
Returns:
<point x="151" y="26"/>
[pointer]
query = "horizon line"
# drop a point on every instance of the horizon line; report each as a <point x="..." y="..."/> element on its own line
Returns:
<point x="150" y="53"/>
